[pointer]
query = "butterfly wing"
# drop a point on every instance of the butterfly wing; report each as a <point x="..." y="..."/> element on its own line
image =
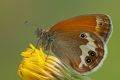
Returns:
<point x="82" y="54"/>
<point x="73" y="50"/>
<point x="98" y="23"/>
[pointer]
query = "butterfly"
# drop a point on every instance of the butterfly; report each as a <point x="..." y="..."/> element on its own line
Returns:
<point x="79" y="42"/>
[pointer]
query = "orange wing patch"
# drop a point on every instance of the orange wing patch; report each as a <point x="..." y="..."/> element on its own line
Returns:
<point x="97" y="23"/>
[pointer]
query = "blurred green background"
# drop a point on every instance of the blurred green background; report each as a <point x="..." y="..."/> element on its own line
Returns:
<point x="20" y="18"/>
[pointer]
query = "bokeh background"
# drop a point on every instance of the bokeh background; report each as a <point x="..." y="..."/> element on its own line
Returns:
<point x="20" y="18"/>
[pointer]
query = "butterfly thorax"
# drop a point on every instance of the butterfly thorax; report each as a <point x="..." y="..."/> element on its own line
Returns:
<point x="44" y="39"/>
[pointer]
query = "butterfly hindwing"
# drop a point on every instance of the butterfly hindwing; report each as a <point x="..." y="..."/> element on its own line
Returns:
<point x="66" y="47"/>
<point x="73" y="50"/>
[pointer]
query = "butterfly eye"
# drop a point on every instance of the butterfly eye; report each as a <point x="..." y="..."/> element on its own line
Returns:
<point x="91" y="53"/>
<point x="88" y="60"/>
<point x="83" y="35"/>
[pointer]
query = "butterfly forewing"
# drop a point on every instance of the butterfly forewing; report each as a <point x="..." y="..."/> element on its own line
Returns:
<point x="98" y="23"/>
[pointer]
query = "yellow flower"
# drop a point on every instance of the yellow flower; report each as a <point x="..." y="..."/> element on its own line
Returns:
<point x="36" y="65"/>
